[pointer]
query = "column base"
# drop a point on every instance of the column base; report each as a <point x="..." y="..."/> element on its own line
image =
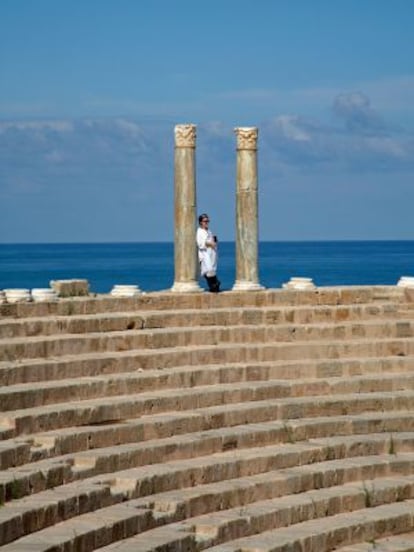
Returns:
<point x="406" y="281"/>
<point x="186" y="287"/>
<point x="245" y="285"/>
<point x="299" y="283"/>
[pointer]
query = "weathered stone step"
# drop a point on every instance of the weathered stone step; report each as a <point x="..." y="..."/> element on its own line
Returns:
<point x="185" y="446"/>
<point x="66" y="344"/>
<point x="39" y="446"/>
<point x="344" y="295"/>
<point x="31" y="395"/>
<point x="397" y="543"/>
<point x="122" y="407"/>
<point x="343" y="529"/>
<point x="288" y="511"/>
<point x="66" y="440"/>
<point x="86" y="532"/>
<point x="159" y="477"/>
<point x="124" y="321"/>
<point x="40" y="510"/>
<point x="137" y="517"/>
<point x="161" y="426"/>
<point x="81" y="365"/>
<point x="176" y="474"/>
<point x="285" y="511"/>
<point x="189" y="502"/>
<point x="35" y="512"/>
<point x="15" y="453"/>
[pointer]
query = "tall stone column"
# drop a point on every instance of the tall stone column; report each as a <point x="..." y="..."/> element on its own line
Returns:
<point x="246" y="210"/>
<point x="185" y="259"/>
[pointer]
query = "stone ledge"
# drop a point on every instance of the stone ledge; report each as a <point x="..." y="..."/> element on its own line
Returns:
<point x="162" y="300"/>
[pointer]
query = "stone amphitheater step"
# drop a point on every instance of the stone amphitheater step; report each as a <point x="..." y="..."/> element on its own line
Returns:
<point x="289" y="511"/>
<point x="66" y="344"/>
<point x="343" y="529"/>
<point x="91" y="364"/>
<point x="43" y="509"/>
<point x="397" y="543"/>
<point x="283" y="394"/>
<point x="35" y="394"/>
<point x="181" y="377"/>
<point x="124" y="321"/>
<point x="39" y="446"/>
<point x="226" y="525"/>
<point x="188" y="502"/>
<point x="177" y="301"/>
<point x="41" y="475"/>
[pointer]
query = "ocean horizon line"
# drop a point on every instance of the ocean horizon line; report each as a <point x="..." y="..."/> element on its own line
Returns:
<point x="164" y="242"/>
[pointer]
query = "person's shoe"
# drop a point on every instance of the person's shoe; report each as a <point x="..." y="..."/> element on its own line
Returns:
<point x="210" y="283"/>
<point x="215" y="284"/>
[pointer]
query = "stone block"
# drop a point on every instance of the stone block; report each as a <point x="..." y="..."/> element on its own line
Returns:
<point x="409" y="295"/>
<point x="70" y="288"/>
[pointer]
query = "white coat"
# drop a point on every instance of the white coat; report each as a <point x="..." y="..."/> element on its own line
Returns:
<point x="206" y="255"/>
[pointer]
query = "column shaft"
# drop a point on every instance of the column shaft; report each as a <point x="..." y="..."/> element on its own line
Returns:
<point x="247" y="277"/>
<point x="185" y="260"/>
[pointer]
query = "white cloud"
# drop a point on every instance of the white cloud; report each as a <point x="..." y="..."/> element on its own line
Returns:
<point x="394" y="93"/>
<point x="355" y="108"/>
<point x="289" y="126"/>
<point x="389" y="146"/>
<point x="97" y="154"/>
<point x="129" y="127"/>
<point x="360" y="140"/>
<point x="37" y="125"/>
<point x="55" y="156"/>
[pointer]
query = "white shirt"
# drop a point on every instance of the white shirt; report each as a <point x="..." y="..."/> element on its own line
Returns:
<point x="206" y="255"/>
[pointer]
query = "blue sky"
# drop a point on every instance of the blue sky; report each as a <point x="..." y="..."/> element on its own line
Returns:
<point x="90" y="91"/>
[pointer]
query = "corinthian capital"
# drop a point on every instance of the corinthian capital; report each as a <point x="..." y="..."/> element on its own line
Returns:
<point x="185" y="136"/>
<point x="246" y="138"/>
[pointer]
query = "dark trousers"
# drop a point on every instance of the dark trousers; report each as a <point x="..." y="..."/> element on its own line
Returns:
<point x="213" y="283"/>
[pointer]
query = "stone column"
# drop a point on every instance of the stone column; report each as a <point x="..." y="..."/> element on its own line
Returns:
<point x="246" y="210"/>
<point x="185" y="259"/>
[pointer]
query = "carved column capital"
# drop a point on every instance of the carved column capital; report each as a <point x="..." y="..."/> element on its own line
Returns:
<point x="185" y="136"/>
<point x="246" y="138"/>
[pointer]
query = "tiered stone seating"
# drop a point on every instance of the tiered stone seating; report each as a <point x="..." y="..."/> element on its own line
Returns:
<point x="271" y="420"/>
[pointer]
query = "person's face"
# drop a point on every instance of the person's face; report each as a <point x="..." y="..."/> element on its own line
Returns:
<point x="204" y="222"/>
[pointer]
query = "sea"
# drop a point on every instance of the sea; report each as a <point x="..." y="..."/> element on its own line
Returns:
<point x="151" y="265"/>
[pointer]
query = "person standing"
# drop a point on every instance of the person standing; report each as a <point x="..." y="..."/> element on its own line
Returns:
<point x="207" y="253"/>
